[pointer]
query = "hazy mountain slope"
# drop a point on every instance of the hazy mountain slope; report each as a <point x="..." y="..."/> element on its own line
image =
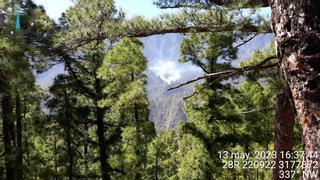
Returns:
<point x="166" y="108"/>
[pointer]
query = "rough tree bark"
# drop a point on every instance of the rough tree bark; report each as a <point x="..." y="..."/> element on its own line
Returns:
<point x="284" y="133"/>
<point x="296" y="24"/>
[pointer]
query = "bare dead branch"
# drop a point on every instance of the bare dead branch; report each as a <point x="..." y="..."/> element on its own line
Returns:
<point x="194" y="93"/>
<point x="230" y="73"/>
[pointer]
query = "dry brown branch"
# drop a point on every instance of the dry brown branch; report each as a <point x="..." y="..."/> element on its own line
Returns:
<point x="232" y="72"/>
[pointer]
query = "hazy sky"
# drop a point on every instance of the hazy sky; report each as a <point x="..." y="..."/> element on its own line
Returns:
<point x="54" y="7"/>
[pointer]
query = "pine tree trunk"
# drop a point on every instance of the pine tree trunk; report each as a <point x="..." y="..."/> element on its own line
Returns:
<point x="245" y="171"/>
<point x="296" y="24"/>
<point x="8" y="135"/>
<point x="157" y="164"/>
<point x="19" y="158"/>
<point x="138" y="139"/>
<point x="284" y="133"/>
<point x="100" y="132"/>
<point x="102" y="144"/>
<point x="26" y="143"/>
<point x="70" y="154"/>
<point x="85" y="150"/>
<point x="68" y="136"/>
<point x="55" y="158"/>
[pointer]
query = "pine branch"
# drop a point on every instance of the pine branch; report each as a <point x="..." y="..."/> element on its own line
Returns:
<point x="195" y="5"/>
<point x="247" y="3"/>
<point x="186" y="22"/>
<point x="232" y="72"/>
<point x="91" y="142"/>
<point x="163" y="4"/>
<point x="258" y="110"/>
<point x="86" y="90"/>
<point x="198" y="29"/>
<point x="246" y="41"/>
<point x="202" y="67"/>
<point x="134" y="32"/>
<point x="194" y="93"/>
<point x="49" y="66"/>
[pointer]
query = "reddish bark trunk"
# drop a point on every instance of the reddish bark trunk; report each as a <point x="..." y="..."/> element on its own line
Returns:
<point x="296" y="24"/>
<point x="284" y="134"/>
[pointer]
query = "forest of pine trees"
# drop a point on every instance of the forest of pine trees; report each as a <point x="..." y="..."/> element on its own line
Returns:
<point x="93" y="121"/>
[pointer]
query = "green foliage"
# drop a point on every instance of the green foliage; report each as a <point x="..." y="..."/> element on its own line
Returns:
<point x="125" y="63"/>
<point x="37" y="151"/>
<point x="162" y="156"/>
<point x="197" y="20"/>
<point x="87" y="19"/>
<point x="128" y="103"/>
<point x="202" y="3"/>
<point x="194" y="159"/>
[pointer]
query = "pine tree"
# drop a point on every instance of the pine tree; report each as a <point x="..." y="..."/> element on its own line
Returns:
<point x="205" y="109"/>
<point x="128" y="104"/>
<point x="162" y="156"/>
<point x="62" y="104"/>
<point x="83" y="20"/>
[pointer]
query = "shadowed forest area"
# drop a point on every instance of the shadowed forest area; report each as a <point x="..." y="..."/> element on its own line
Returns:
<point x="257" y="118"/>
